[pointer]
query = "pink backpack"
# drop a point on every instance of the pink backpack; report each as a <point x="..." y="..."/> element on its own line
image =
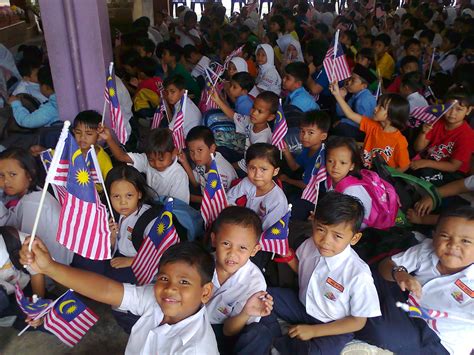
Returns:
<point x="385" y="201"/>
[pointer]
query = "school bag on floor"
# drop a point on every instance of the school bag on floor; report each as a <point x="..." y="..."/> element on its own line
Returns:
<point x="385" y="202"/>
<point x="223" y="129"/>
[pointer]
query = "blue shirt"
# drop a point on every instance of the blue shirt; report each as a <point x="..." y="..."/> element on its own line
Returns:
<point x="243" y="105"/>
<point x="303" y="100"/>
<point x="307" y="162"/>
<point x="362" y="103"/>
<point x="321" y="78"/>
<point x="45" y="115"/>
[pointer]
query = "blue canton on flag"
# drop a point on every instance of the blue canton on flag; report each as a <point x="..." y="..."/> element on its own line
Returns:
<point x="214" y="199"/>
<point x="319" y="174"/>
<point x="31" y="309"/>
<point x="275" y="238"/>
<point x="427" y="114"/>
<point x="280" y="130"/>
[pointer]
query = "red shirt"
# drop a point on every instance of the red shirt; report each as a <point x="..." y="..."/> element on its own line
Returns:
<point x="455" y="144"/>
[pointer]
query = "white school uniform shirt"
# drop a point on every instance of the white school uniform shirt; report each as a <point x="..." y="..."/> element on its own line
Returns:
<point x="335" y="287"/>
<point x="270" y="207"/>
<point x="244" y="126"/>
<point x="226" y="172"/>
<point x="184" y="39"/>
<point x="191" y="336"/>
<point x="416" y="100"/>
<point x="268" y="78"/>
<point x="229" y="299"/>
<point x="22" y="217"/>
<point x="447" y="293"/>
<point x="192" y="116"/>
<point x="172" y="182"/>
<point x="200" y="67"/>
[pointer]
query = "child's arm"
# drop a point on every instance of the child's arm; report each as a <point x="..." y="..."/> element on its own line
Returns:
<point x="290" y="160"/>
<point x="195" y="198"/>
<point x="405" y="281"/>
<point x="89" y="284"/>
<point x="345" y="325"/>
<point x="334" y="87"/>
<point x="37" y="285"/>
<point x="116" y="150"/>
<point x="121" y="262"/>
<point x="425" y="205"/>
<point x="189" y="171"/>
<point x="222" y="105"/>
<point x="421" y="142"/>
<point x="260" y="304"/>
<point x="450" y="166"/>
<point x="298" y="183"/>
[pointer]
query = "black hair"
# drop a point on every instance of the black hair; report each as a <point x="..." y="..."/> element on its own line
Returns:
<point x="133" y="176"/>
<point x="201" y="133"/>
<point x="280" y="20"/>
<point x="189" y="16"/>
<point x="142" y="23"/>
<point x="45" y="77"/>
<point x="176" y="80"/>
<point x="272" y="38"/>
<point x="238" y="216"/>
<point x="427" y="34"/>
<point x="298" y="70"/>
<point x="270" y="98"/>
<point x="147" y="44"/>
<point x="263" y="151"/>
<point x="408" y="59"/>
<point x="384" y="38"/>
<point x="147" y="66"/>
<point x="368" y="53"/>
<point x="231" y="39"/>
<point x="410" y="42"/>
<point x="27" y="162"/>
<point x="188" y="50"/>
<point x="322" y="27"/>
<point x="352" y="36"/>
<point x="398" y="109"/>
<point x="32" y="55"/>
<point x="303" y="7"/>
<point x="244" y="79"/>
<point x="465" y="212"/>
<point x="130" y="58"/>
<point x="244" y="29"/>
<point x="334" y="142"/>
<point x="337" y="208"/>
<point x="408" y="33"/>
<point x="160" y="141"/>
<point x="316" y="118"/>
<point x="412" y="81"/>
<point x="461" y="93"/>
<point x="453" y="37"/>
<point x="26" y="67"/>
<point x="173" y="49"/>
<point x="89" y="118"/>
<point x="317" y="49"/>
<point x="193" y="254"/>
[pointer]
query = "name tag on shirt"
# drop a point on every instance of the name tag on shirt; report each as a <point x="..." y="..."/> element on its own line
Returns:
<point x="335" y="284"/>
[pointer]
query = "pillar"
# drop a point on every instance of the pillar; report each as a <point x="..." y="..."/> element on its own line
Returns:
<point x="79" y="46"/>
<point x="143" y="8"/>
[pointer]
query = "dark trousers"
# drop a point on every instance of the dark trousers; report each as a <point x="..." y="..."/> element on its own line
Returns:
<point x="347" y="130"/>
<point x="288" y="307"/>
<point x="436" y="177"/>
<point x="103" y="267"/>
<point x="394" y="330"/>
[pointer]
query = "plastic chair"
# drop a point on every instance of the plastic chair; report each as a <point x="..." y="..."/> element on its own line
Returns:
<point x="233" y="2"/>
<point x="269" y="4"/>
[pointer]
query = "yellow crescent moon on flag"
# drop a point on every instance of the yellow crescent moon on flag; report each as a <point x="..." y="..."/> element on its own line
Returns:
<point x="282" y="222"/>
<point x="280" y="117"/>
<point x="170" y="216"/>
<point x="64" y="304"/>
<point x="75" y="155"/>
<point x="213" y="171"/>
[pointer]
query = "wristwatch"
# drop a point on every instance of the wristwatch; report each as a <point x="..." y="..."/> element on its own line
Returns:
<point x="396" y="269"/>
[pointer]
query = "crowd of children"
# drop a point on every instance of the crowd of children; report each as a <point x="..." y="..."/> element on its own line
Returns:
<point x="231" y="80"/>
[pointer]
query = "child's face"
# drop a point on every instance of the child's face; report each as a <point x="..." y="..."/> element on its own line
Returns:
<point x="275" y="27"/>
<point x="345" y="39"/>
<point x="200" y="153"/>
<point x="261" y="173"/>
<point x="167" y="58"/>
<point x="453" y="243"/>
<point x="173" y="94"/>
<point x="409" y="68"/>
<point x="236" y="90"/>
<point x="179" y="291"/>
<point x="311" y="136"/>
<point x="46" y="90"/>
<point x="425" y="42"/>
<point x="124" y="197"/>
<point x="456" y="115"/>
<point x="379" y="47"/>
<point x="161" y="161"/>
<point x="363" y="61"/>
<point x="339" y="163"/>
<point x="414" y="50"/>
<point x="333" y="239"/>
<point x="260" y="112"/>
<point x="355" y="84"/>
<point x="365" y="42"/>
<point x="380" y="113"/>
<point x="232" y="69"/>
<point x="14" y="180"/>
<point x="291" y="52"/>
<point x="261" y="57"/>
<point x="34" y="75"/>
<point x="290" y="83"/>
<point x="234" y="244"/>
<point x="193" y="58"/>
<point x="85" y="136"/>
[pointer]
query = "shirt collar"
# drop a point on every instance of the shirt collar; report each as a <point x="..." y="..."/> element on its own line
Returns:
<point x="232" y="279"/>
<point x="296" y="92"/>
<point x="333" y="262"/>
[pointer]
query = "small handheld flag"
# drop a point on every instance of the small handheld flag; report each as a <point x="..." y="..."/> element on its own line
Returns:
<point x="58" y="190"/>
<point x="29" y="307"/>
<point x="429" y="314"/>
<point x="275" y="238"/>
<point x="280" y="130"/>
<point x="214" y="199"/>
<point x="335" y="62"/>
<point x="206" y="103"/>
<point x="428" y="114"/>
<point x="178" y="127"/>
<point x="116" y="115"/>
<point x="162" y="235"/>
<point x="70" y="319"/>
<point x="160" y="110"/>
<point x="318" y="175"/>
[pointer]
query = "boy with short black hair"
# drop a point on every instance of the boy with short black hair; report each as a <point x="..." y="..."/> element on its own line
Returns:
<point x="240" y="85"/>
<point x="197" y="60"/>
<point x="172" y="316"/>
<point x="408" y="64"/>
<point x="383" y="60"/>
<point x="336" y="290"/>
<point x="29" y="80"/>
<point x="145" y="47"/>
<point x="410" y="88"/>
<point x="296" y="75"/>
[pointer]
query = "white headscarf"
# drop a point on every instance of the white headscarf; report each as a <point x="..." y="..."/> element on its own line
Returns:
<point x="299" y="55"/>
<point x="240" y="64"/>
<point x="270" y="58"/>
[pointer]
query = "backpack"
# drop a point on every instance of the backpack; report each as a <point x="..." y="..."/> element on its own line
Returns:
<point x="223" y="129"/>
<point x="385" y="202"/>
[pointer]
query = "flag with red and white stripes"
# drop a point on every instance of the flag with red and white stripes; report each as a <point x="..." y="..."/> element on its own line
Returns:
<point x="70" y="319"/>
<point x="178" y="127"/>
<point x="160" y="111"/>
<point x="214" y="199"/>
<point x="58" y="186"/>
<point x="428" y="114"/>
<point x="235" y="53"/>
<point x="116" y="116"/>
<point x="335" y="62"/>
<point x="275" y="238"/>
<point x="30" y="307"/>
<point x="162" y="235"/>
<point x="280" y="129"/>
<point x="318" y="175"/>
<point x="206" y="103"/>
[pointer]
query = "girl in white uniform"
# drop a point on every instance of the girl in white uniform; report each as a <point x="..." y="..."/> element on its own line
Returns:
<point x="268" y="78"/>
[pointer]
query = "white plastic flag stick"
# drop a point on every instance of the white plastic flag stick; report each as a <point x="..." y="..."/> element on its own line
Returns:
<point x="101" y="179"/>
<point x="431" y="63"/>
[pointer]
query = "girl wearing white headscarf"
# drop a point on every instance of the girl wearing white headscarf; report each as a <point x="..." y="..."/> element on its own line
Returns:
<point x="268" y="78"/>
<point x="292" y="53"/>
<point x="237" y="65"/>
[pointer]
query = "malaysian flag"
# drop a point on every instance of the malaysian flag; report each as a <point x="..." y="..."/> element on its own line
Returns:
<point x="318" y="175"/>
<point x="206" y="104"/>
<point x="70" y="319"/>
<point x="59" y="191"/>
<point x="428" y="114"/>
<point x="160" y="110"/>
<point x="335" y="62"/>
<point x="178" y="128"/>
<point x="28" y="306"/>
<point x="235" y="53"/>
<point x="162" y="235"/>
<point x="275" y="238"/>
<point x="280" y="129"/>
<point x="83" y="226"/>
<point x="116" y="116"/>
<point x="214" y="199"/>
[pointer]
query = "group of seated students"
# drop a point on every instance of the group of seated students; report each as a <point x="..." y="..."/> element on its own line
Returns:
<point x="401" y="58"/>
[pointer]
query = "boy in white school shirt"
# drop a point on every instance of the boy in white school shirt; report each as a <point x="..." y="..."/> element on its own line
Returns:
<point x="159" y="163"/>
<point x="336" y="290"/>
<point x="172" y="319"/>
<point x="239" y="298"/>
<point x="439" y="274"/>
